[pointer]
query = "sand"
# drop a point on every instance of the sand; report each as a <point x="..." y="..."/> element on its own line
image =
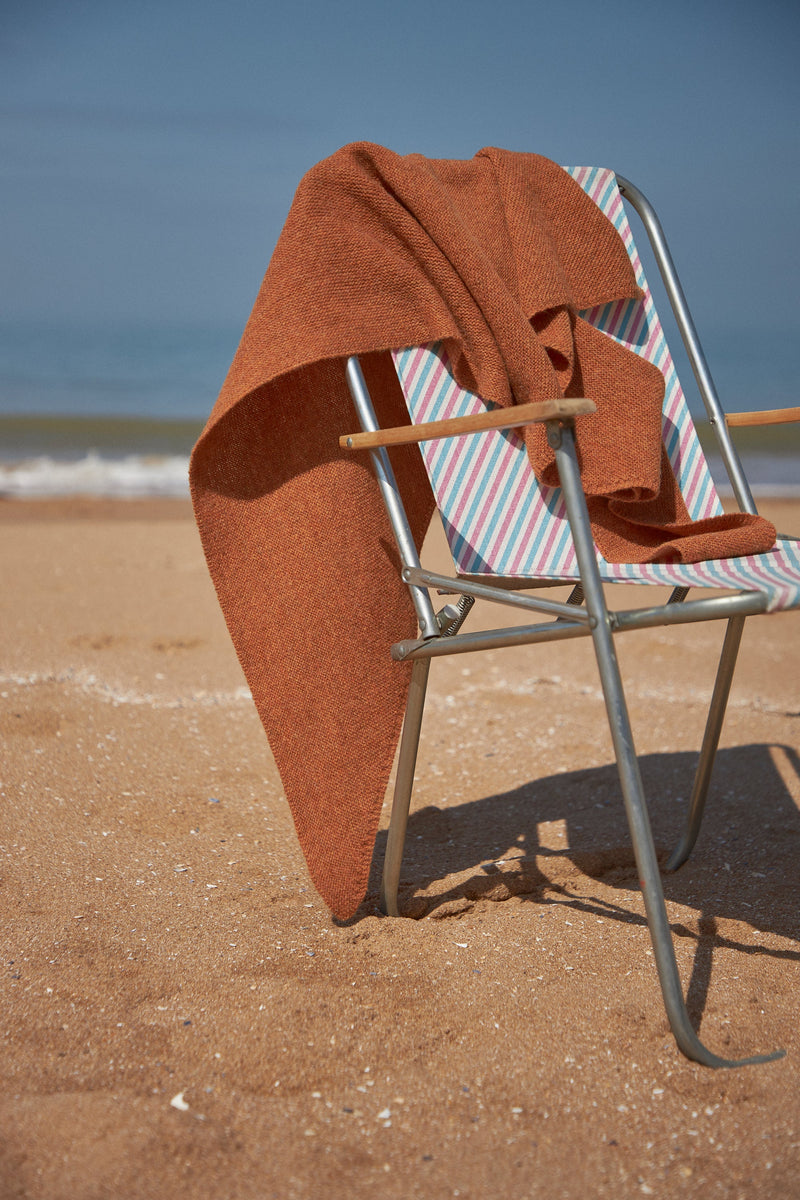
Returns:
<point x="181" y="1016"/>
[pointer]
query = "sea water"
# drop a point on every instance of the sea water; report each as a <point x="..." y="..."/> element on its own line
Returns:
<point x="105" y="410"/>
<point x="114" y="410"/>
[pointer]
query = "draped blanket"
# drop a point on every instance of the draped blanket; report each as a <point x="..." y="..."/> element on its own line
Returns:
<point x="495" y="257"/>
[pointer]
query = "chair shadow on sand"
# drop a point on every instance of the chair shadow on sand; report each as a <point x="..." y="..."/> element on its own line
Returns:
<point x="745" y="867"/>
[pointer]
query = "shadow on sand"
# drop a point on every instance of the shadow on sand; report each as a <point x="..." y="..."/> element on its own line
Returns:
<point x="745" y="866"/>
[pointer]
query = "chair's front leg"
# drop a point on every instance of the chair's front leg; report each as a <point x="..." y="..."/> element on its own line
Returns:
<point x="561" y="438"/>
<point x="404" y="782"/>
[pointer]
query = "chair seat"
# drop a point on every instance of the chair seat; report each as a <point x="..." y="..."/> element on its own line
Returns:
<point x="500" y="523"/>
<point x="776" y="574"/>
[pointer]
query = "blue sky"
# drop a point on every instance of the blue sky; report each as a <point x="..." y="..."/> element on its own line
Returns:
<point x="149" y="151"/>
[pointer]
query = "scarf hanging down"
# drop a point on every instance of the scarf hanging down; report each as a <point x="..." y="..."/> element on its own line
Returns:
<point x="495" y="257"/>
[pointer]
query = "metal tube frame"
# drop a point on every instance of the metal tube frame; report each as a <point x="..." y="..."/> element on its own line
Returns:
<point x="598" y="623"/>
<point x="484" y="591"/>
<point x="712" y="608"/>
<point x="391" y="497"/>
<point x="708" y="752"/>
<point x="563" y="442"/>
<point x="694" y="350"/>
<point x="404" y="783"/>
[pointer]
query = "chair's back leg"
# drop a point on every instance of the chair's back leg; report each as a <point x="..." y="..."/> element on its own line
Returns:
<point x="404" y="782"/>
<point x="390" y="494"/>
<point x="429" y="627"/>
<point x="562" y="440"/>
<point x="708" y="753"/>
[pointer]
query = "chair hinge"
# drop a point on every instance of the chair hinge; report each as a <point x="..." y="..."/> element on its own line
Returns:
<point x="452" y="616"/>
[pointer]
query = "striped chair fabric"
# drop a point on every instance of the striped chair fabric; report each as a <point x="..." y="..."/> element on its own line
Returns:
<point x="500" y="522"/>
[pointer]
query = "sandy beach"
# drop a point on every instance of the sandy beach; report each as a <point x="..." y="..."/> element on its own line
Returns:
<point x="181" y="1016"/>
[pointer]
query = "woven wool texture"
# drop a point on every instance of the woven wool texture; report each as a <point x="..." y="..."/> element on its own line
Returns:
<point x="493" y="256"/>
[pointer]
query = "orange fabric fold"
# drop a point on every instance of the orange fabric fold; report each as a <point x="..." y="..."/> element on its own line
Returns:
<point x="494" y="256"/>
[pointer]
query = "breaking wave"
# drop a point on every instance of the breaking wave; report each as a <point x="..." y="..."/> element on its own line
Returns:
<point x="125" y="477"/>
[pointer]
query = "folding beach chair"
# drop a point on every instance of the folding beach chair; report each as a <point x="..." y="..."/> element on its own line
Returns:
<point x="509" y="536"/>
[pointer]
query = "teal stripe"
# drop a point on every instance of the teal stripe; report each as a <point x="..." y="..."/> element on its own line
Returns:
<point x="488" y="468"/>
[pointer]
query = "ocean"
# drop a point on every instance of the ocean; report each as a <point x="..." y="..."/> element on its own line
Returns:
<point x="105" y="410"/>
<point x="115" y="410"/>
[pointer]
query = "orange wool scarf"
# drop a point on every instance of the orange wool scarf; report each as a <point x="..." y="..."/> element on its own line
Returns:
<point x="495" y="257"/>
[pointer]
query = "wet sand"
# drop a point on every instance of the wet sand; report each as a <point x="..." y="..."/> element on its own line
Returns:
<point x="181" y="1016"/>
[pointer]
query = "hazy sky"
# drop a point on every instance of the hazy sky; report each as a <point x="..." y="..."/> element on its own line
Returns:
<point x="149" y="149"/>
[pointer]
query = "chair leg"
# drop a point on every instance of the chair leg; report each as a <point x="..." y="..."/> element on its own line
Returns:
<point x="647" y="863"/>
<point x="562" y="441"/>
<point x="708" y="753"/>
<point x="404" y="783"/>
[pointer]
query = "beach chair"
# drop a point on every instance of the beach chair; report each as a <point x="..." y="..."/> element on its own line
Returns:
<point x="509" y="538"/>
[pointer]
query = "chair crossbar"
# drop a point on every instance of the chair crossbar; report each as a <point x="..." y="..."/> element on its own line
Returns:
<point x="483" y="591"/>
<point x="574" y="623"/>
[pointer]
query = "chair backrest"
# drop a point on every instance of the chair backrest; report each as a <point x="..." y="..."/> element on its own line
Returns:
<point x="497" y="518"/>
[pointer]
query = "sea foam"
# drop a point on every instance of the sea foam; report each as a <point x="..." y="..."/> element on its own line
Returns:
<point x="94" y="475"/>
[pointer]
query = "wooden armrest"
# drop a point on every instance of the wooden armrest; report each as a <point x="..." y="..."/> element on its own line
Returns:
<point x="497" y="418"/>
<point x="770" y="416"/>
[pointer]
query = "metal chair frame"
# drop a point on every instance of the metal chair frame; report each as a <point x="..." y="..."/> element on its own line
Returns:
<point x="439" y="636"/>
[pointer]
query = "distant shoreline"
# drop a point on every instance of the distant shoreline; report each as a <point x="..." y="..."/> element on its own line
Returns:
<point x="129" y="457"/>
<point x="67" y="437"/>
<point x="24" y="433"/>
